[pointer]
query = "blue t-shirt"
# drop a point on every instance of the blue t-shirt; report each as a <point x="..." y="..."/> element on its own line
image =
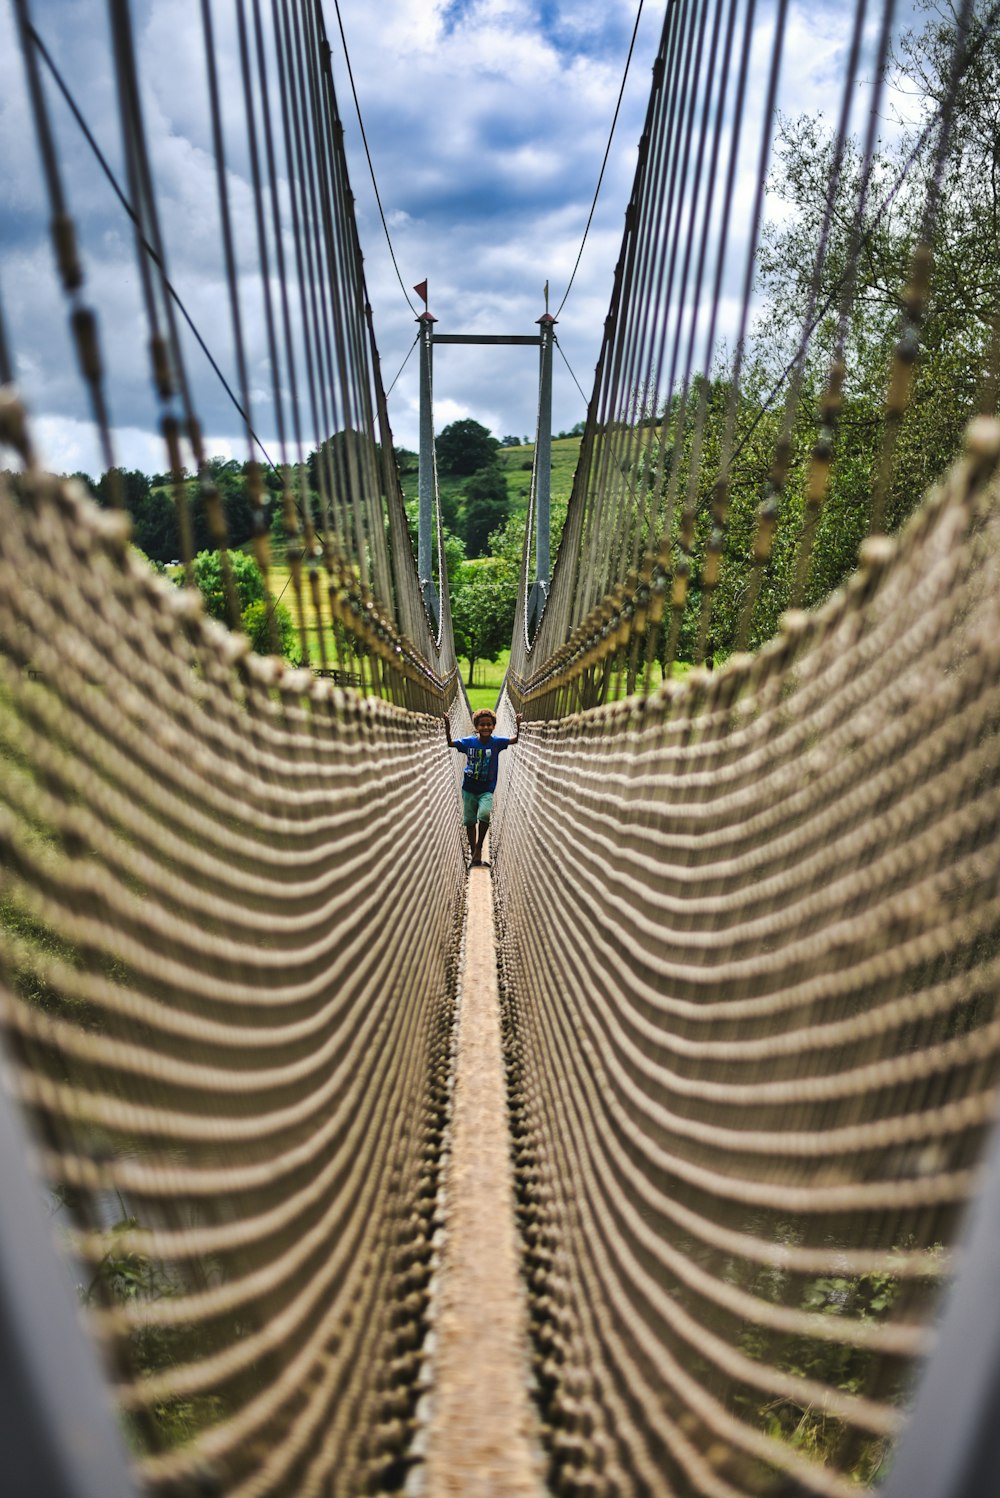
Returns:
<point x="481" y="767"/>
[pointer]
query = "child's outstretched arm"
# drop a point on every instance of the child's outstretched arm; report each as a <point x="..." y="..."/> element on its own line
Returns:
<point x="447" y="730"/>
<point x="518" y="719"/>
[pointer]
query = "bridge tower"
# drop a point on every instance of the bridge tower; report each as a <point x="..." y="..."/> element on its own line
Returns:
<point x="543" y="470"/>
<point x="425" y="477"/>
<point x="543" y="453"/>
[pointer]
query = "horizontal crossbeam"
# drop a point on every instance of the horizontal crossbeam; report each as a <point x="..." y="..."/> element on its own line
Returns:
<point x="487" y="338"/>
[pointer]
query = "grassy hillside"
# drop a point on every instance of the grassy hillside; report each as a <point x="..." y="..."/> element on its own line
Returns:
<point x="515" y="464"/>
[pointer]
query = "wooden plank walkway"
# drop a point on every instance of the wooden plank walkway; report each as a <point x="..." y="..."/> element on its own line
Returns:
<point x="481" y="1440"/>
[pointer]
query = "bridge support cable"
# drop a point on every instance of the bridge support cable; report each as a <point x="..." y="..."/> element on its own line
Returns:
<point x="57" y="1431"/>
<point x="680" y="427"/>
<point x="353" y="578"/>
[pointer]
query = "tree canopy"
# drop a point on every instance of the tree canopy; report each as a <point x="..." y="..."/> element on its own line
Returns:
<point x="152" y="505"/>
<point x="484" y="601"/>
<point x="465" y="446"/>
<point x="486" y="509"/>
<point x="208" y="576"/>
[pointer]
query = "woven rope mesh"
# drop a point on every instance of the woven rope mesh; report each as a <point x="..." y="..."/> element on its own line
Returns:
<point x="231" y="904"/>
<point x="748" y="946"/>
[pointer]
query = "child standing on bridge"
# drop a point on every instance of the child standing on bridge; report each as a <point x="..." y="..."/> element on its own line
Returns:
<point x="481" y="750"/>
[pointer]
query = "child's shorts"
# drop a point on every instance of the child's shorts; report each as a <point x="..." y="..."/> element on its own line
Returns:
<point x="476" y="808"/>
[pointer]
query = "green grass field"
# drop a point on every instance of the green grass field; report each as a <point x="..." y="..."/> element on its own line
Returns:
<point x="489" y="674"/>
<point x="516" y="465"/>
<point x="489" y="680"/>
<point x="281" y="586"/>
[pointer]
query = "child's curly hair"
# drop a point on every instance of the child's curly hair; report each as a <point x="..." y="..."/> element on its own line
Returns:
<point x="483" y="712"/>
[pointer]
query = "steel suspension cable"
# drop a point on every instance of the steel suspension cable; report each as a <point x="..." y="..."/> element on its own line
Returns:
<point x="229" y="251"/>
<point x="333" y="508"/>
<point x="655" y="210"/>
<point x="308" y="321"/>
<point x="102" y="161"/>
<point x="918" y="287"/>
<point x="688" y="514"/>
<point x="695" y="72"/>
<point x="344" y="495"/>
<point x="702" y="269"/>
<point x="216" y="512"/>
<point x="260" y="224"/>
<point x="368" y="157"/>
<point x="169" y="375"/>
<point x="592" y="584"/>
<point x="365" y="369"/>
<point x="405" y="362"/>
<point x="304" y="323"/>
<point x="67" y="259"/>
<point x="701" y="186"/>
<point x="279" y="249"/>
<point x="623" y="391"/>
<point x="768" y="512"/>
<point x="607" y="153"/>
<point x="350" y="277"/>
<point x="573" y="377"/>
<point x="720" y="488"/>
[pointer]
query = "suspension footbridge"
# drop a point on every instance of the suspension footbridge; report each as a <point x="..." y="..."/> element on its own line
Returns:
<point x="657" y="1157"/>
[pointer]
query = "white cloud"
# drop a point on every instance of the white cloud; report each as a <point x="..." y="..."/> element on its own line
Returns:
<point x="68" y="445"/>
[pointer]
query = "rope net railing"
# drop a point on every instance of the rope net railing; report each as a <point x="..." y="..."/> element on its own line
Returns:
<point x="231" y="906"/>
<point x="231" y="893"/>
<point x="747" y="919"/>
<point x="749" y="934"/>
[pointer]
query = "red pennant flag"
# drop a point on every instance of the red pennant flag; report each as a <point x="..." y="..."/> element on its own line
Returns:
<point x="421" y="290"/>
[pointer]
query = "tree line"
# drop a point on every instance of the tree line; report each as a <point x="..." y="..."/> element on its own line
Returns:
<point x="483" y="542"/>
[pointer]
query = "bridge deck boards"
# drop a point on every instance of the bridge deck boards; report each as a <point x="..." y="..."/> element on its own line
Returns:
<point x="481" y="1438"/>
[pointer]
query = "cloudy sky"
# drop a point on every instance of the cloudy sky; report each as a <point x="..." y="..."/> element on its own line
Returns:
<point x="487" y="122"/>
